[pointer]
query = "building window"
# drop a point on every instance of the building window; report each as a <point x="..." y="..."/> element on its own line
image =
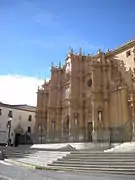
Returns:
<point x="29" y="129"/>
<point x="0" y="112"/>
<point x="128" y="53"/>
<point x="30" y="118"/>
<point x="10" y="114"/>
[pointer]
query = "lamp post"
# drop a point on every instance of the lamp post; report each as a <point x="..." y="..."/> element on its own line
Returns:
<point x="9" y="130"/>
<point x="133" y="124"/>
<point x="41" y="133"/>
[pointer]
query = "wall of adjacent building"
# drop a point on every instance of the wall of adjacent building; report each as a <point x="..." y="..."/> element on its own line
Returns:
<point x="20" y="118"/>
<point x="128" y="57"/>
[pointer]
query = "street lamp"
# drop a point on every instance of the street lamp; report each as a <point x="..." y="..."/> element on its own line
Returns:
<point x="9" y="130"/>
<point x="41" y="132"/>
<point x="133" y="124"/>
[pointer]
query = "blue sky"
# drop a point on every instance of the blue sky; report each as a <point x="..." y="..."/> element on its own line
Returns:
<point x="33" y="33"/>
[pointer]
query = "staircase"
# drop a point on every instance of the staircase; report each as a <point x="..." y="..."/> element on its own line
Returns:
<point x="93" y="160"/>
<point x="32" y="156"/>
<point x="97" y="162"/>
<point x="15" y="152"/>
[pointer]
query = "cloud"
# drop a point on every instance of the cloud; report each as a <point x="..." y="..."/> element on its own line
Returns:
<point x="16" y="89"/>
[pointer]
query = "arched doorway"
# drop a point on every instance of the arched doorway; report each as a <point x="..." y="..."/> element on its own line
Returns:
<point x="18" y="133"/>
<point x="17" y="139"/>
<point x="22" y="139"/>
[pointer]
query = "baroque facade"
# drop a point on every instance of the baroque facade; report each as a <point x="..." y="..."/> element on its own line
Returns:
<point x="90" y="98"/>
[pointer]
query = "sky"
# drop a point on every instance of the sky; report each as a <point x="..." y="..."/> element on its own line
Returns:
<point x="35" y="33"/>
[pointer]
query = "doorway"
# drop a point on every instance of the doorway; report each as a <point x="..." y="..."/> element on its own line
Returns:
<point x="17" y="139"/>
<point x="21" y="139"/>
<point x="89" y="131"/>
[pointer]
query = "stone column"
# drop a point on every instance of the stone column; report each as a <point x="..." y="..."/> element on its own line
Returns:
<point x="105" y="120"/>
<point x="81" y="114"/>
<point x="105" y="96"/>
<point x="94" y="133"/>
<point x="70" y="123"/>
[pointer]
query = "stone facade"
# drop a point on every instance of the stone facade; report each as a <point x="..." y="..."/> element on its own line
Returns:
<point x="90" y="98"/>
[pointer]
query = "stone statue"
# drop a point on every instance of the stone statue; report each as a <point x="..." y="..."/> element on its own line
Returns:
<point x="100" y="115"/>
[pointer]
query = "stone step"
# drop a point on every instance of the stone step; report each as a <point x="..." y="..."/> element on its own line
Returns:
<point x="94" y="170"/>
<point x="102" y="153"/>
<point x="17" y="153"/>
<point x="39" y="162"/>
<point x="58" y="156"/>
<point x="35" y="160"/>
<point x="94" y="158"/>
<point x="122" y="166"/>
<point x="41" y="152"/>
<point x="96" y="162"/>
<point x="38" y="153"/>
<point x="44" y="158"/>
<point x="35" y="163"/>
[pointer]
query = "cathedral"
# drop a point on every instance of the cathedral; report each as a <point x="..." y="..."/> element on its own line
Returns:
<point x="89" y="98"/>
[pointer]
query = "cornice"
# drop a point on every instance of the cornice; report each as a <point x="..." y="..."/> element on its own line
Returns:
<point x="122" y="48"/>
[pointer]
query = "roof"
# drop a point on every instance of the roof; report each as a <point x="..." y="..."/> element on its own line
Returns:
<point x="24" y="107"/>
<point x="122" y="48"/>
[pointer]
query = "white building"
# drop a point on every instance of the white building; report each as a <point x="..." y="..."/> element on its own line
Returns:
<point x="22" y="119"/>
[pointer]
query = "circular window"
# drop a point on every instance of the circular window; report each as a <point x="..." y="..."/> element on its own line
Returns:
<point x="89" y="82"/>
